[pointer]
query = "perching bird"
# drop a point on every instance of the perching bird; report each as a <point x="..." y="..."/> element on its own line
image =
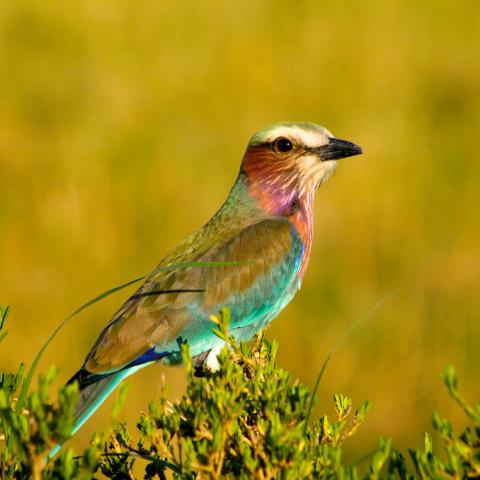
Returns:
<point x="261" y="240"/>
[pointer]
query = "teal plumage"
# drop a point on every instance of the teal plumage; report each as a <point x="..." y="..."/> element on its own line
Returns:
<point x="254" y="252"/>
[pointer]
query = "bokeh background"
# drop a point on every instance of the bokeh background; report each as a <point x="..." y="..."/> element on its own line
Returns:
<point x="122" y="125"/>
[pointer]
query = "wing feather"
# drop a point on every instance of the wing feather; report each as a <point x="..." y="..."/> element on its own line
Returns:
<point x="269" y="250"/>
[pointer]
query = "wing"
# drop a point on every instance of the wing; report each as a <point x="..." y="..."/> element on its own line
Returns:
<point x="176" y="304"/>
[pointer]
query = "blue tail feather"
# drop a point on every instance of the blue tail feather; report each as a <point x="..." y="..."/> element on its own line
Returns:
<point x="92" y="396"/>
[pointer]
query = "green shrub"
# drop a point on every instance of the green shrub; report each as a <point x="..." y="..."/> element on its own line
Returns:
<point x="249" y="419"/>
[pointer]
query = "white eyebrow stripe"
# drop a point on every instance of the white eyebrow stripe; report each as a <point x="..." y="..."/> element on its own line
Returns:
<point x="309" y="138"/>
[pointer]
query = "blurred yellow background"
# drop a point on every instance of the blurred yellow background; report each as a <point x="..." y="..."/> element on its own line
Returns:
<point x="122" y="126"/>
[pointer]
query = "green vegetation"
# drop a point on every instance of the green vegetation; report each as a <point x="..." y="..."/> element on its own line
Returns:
<point x="247" y="420"/>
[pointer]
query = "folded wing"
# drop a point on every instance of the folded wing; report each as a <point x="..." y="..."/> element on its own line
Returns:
<point x="259" y="270"/>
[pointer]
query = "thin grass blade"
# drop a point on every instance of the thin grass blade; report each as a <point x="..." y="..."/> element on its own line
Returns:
<point x="340" y="342"/>
<point x="36" y="361"/>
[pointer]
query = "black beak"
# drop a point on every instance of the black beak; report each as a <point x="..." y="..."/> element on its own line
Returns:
<point x="336" y="149"/>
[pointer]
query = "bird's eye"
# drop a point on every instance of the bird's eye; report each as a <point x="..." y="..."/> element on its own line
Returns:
<point x="283" y="145"/>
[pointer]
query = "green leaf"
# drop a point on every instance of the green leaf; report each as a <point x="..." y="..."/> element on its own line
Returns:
<point x="381" y="456"/>
<point x="450" y="379"/>
<point x="428" y="443"/>
<point x="343" y="405"/>
<point x="3" y="320"/>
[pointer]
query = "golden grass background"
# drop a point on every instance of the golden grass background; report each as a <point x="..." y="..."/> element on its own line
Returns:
<point x="122" y="125"/>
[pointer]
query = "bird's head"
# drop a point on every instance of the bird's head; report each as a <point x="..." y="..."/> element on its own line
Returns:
<point x="290" y="160"/>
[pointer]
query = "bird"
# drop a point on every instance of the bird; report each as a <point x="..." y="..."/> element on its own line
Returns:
<point x="250" y="257"/>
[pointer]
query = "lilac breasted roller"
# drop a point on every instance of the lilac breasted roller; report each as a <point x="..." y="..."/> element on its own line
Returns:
<point x="253" y="254"/>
